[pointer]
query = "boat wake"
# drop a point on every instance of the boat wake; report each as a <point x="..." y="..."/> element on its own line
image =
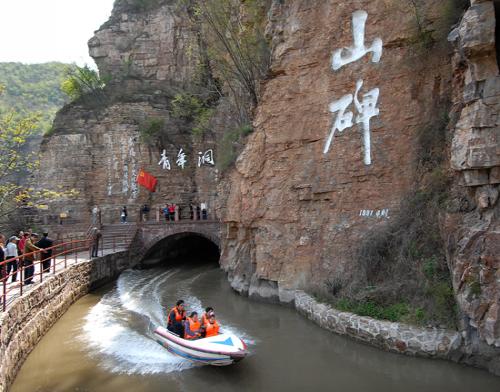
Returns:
<point x="117" y="330"/>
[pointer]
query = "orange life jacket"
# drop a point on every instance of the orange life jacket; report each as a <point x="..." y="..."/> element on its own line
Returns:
<point x="211" y="329"/>
<point x="194" y="329"/>
<point x="178" y="315"/>
<point x="204" y="318"/>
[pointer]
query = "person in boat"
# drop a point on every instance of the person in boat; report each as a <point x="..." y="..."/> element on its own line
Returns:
<point x="176" y="316"/>
<point x="211" y="326"/>
<point x="206" y="315"/>
<point x="192" y="329"/>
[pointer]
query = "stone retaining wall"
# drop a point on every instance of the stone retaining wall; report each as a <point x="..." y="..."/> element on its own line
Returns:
<point x="390" y="336"/>
<point x="28" y="319"/>
<point x="396" y="337"/>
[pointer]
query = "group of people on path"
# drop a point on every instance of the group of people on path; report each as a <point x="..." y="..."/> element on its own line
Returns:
<point x="170" y="210"/>
<point x="173" y="212"/>
<point x="198" y="212"/>
<point x="22" y="250"/>
<point x="191" y="327"/>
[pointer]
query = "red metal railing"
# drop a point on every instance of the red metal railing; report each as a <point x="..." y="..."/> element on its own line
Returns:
<point x="58" y="257"/>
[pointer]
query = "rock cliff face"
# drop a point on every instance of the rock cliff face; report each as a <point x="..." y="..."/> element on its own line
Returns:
<point x="296" y="208"/>
<point x="296" y="215"/>
<point x="473" y="234"/>
<point x="333" y="155"/>
<point x="97" y="147"/>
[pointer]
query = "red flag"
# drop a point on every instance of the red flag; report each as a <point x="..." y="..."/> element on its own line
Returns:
<point x="147" y="180"/>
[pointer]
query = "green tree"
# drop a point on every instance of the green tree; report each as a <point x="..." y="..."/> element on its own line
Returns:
<point x="14" y="198"/>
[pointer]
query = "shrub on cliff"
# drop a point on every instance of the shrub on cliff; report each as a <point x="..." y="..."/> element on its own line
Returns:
<point x="238" y="49"/>
<point x="83" y="81"/>
<point x="234" y="57"/>
<point x="194" y="109"/>
<point x="230" y="144"/>
<point x="151" y="129"/>
<point x="233" y="48"/>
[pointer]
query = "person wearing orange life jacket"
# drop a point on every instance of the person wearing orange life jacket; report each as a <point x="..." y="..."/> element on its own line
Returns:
<point x="176" y="316"/>
<point x="192" y="329"/>
<point x="206" y="314"/>
<point x="211" y="326"/>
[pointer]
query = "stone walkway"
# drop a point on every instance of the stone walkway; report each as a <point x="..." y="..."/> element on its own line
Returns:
<point x="14" y="291"/>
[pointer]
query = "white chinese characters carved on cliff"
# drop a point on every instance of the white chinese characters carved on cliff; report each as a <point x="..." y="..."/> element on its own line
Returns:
<point x="181" y="159"/>
<point x="164" y="161"/>
<point x="366" y="110"/>
<point x="353" y="53"/>
<point x="206" y="158"/>
<point x="367" y="107"/>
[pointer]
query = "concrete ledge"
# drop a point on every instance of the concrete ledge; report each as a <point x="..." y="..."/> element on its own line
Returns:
<point x="29" y="317"/>
<point x="401" y="338"/>
<point x="390" y="336"/>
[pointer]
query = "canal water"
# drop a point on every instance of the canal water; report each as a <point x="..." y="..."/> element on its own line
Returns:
<point x="104" y="344"/>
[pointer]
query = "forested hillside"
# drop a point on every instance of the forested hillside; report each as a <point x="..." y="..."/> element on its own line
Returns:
<point x="33" y="88"/>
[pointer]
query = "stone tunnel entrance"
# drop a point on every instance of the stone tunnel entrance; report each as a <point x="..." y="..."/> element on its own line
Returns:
<point x="182" y="248"/>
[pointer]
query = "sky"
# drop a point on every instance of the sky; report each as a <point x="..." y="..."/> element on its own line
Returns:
<point x="38" y="31"/>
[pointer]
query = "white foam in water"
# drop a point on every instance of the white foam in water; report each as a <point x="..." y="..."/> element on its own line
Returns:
<point x="123" y="349"/>
<point x="140" y="292"/>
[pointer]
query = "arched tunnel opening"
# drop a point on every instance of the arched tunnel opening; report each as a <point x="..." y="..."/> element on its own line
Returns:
<point x="182" y="248"/>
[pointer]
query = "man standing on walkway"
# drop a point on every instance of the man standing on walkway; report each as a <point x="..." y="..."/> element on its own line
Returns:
<point x="124" y="214"/>
<point x="45" y="243"/>
<point x="171" y="212"/>
<point x="3" y="268"/>
<point x="29" y="268"/>
<point x="10" y="252"/>
<point x="204" y="214"/>
<point x="95" y="236"/>
<point x="22" y="242"/>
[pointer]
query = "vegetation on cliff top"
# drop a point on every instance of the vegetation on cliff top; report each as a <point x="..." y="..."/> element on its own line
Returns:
<point x="137" y="5"/>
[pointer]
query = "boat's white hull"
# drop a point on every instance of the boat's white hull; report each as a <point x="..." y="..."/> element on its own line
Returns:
<point x="221" y="350"/>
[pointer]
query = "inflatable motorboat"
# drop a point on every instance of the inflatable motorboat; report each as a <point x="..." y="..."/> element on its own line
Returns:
<point x="221" y="350"/>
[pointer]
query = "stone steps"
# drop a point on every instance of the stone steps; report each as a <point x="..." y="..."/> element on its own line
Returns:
<point x="117" y="235"/>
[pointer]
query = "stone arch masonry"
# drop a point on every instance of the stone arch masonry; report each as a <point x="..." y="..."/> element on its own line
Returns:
<point x="149" y="235"/>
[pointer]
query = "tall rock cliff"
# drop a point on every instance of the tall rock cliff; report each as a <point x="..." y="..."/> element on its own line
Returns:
<point x="473" y="234"/>
<point x="379" y="76"/>
<point x="298" y="203"/>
